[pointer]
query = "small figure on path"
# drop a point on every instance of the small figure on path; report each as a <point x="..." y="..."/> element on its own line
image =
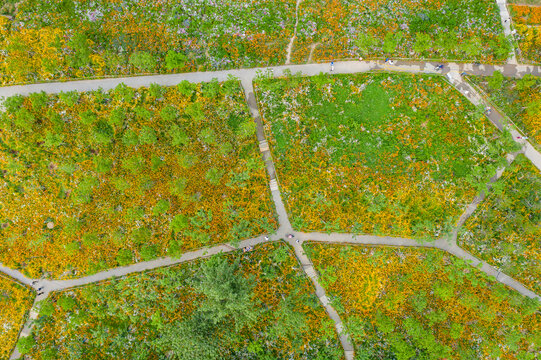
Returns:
<point x="391" y="62"/>
<point x="290" y="236"/>
<point x="487" y="109"/>
<point x="40" y="293"/>
<point x="439" y="67"/>
<point x="332" y="65"/>
<point x="522" y="137"/>
<point x="360" y="58"/>
<point x="34" y="282"/>
<point x="266" y="238"/>
<point x="297" y="241"/>
<point x="386" y="60"/>
<point x="41" y="288"/>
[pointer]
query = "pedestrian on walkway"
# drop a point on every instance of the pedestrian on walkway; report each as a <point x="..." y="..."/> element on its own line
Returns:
<point x="488" y="109"/>
<point x="391" y="62"/>
<point x="266" y="238"/>
<point x="290" y="236"/>
<point x="40" y="293"/>
<point x="332" y="65"/>
<point x="386" y="60"/>
<point x="41" y="288"/>
<point x="297" y="241"/>
<point x="34" y="282"/>
<point x="360" y="58"/>
<point x="439" y="67"/>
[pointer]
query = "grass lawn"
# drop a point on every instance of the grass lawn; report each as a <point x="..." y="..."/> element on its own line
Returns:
<point x="505" y="229"/>
<point x="62" y="39"/>
<point x="450" y="29"/>
<point x="101" y="179"/>
<point x="15" y="301"/>
<point x="377" y="153"/>
<point x="520" y="99"/>
<point x="254" y="305"/>
<point x="404" y="303"/>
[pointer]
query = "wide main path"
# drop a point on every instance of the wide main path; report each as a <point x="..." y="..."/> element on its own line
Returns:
<point x="247" y="76"/>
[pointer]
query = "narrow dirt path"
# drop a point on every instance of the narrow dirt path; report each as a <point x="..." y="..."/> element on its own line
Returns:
<point x="506" y="23"/>
<point x="290" y="45"/>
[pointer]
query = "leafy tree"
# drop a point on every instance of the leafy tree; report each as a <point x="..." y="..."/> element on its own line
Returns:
<point x="149" y="252"/>
<point x="169" y="113"/>
<point x="90" y="239"/>
<point x="46" y="308"/>
<point x="174" y="60"/>
<point x="161" y="207"/>
<point x="134" y="164"/>
<point x="25" y="344"/>
<point x="141" y="235"/>
<point x="117" y="116"/>
<point x="67" y="303"/>
<point x="80" y="57"/>
<point x="178" y="186"/>
<point x="391" y="41"/>
<point x="103" y="132"/>
<point x="178" y="136"/>
<point x="186" y="88"/>
<point x="103" y="164"/>
<point x="124" y="93"/>
<point x="124" y="257"/>
<point x="422" y="43"/>
<point x="38" y="100"/>
<point x="13" y="103"/>
<point x="156" y="91"/>
<point x="207" y="136"/>
<point x="130" y="138"/>
<point x="156" y="162"/>
<point x="495" y="81"/>
<point x="214" y="175"/>
<point x="143" y="60"/>
<point x="24" y="119"/>
<point x="147" y="135"/>
<point x="53" y="140"/>
<point x="384" y="324"/>
<point x="180" y="222"/>
<point x="88" y="117"/>
<point x="365" y="42"/>
<point x="228" y="296"/>
<point x="69" y="98"/>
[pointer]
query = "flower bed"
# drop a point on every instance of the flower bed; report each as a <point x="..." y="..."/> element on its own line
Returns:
<point x="451" y="29"/>
<point x="102" y="179"/>
<point x="62" y="39"/>
<point x="257" y="304"/>
<point x="408" y="303"/>
<point x="377" y="153"/>
<point x="527" y="23"/>
<point x="520" y="99"/>
<point x="15" y="301"/>
<point x="504" y="230"/>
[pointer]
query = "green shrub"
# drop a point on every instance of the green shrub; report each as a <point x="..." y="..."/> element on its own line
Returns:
<point x="149" y="252"/>
<point x="124" y="257"/>
<point x="103" y="164"/>
<point x="161" y="207"/>
<point x="147" y="135"/>
<point x="67" y="303"/>
<point x="143" y="60"/>
<point x="130" y="138"/>
<point x="88" y="117"/>
<point x="25" y="344"/>
<point x="179" y="223"/>
<point x="174" y="60"/>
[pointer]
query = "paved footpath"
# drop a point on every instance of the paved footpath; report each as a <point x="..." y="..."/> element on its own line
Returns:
<point x="246" y="76"/>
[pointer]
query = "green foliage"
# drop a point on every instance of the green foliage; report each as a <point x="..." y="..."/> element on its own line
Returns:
<point x="103" y="164"/>
<point x="143" y="61"/>
<point x="214" y="175"/>
<point x="496" y="80"/>
<point x="130" y="138"/>
<point x="53" y="140"/>
<point x="169" y="113"/>
<point x="156" y="91"/>
<point x="67" y="303"/>
<point x="24" y="119"/>
<point x="227" y="295"/>
<point x="180" y="222"/>
<point x="124" y="257"/>
<point x="88" y="117"/>
<point x="134" y="164"/>
<point x="46" y="308"/>
<point x="161" y="207"/>
<point x="13" y="103"/>
<point x="25" y="344"/>
<point x="69" y="98"/>
<point x="38" y="100"/>
<point x="174" y="60"/>
<point x="103" y="132"/>
<point x="118" y="116"/>
<point x="149" y="252"/>
<point x="186" y="88"/>
<point x="207" y="136"/>
<point x="147" y="135"/>
<point x="178" y="136"/>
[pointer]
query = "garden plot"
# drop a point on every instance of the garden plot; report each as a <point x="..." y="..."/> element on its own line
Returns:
<point x="409" y="303"/>
<point x="253" y="305"/>
<point x="63" y="39"/>
<point x="505" y="229"/>
<point x="95" y="180"/>
<point x="377" y="153"/>
<point x="449" y="29"/>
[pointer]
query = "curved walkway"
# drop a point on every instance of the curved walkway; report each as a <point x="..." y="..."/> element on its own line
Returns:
<point x="246" y="77"/>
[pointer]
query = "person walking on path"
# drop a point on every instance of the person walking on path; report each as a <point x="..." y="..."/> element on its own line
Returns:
<point x="332" y="65"/>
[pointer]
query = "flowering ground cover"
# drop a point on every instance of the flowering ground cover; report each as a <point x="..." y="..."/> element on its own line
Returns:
<point x="253" y="305"/>
<point x="15" y="301"/>
<point x="62" y="39"/>
<point x="377" y="153"/>
<point x="519" y="99"/>
<point x="450" y="29"/>
<point x="405" y="303"/>
<point x="100" y="179"/>
<point x="527" y="23"/>
<point x="505" y="229"/>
